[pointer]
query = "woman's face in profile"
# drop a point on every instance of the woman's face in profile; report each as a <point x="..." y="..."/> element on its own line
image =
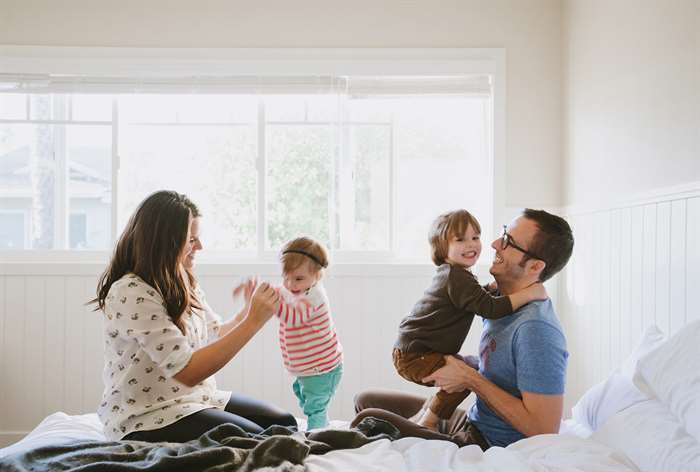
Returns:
<point x="192" y="245"/>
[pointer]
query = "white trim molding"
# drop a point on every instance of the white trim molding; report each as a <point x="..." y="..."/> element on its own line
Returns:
<point x="657" y="195"/>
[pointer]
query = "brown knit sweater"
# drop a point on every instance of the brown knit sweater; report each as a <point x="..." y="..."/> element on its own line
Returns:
<point x="440" y="320"/>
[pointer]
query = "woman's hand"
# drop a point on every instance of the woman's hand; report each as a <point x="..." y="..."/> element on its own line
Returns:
<point x="454" y="376"/>
<point x="264" y="302"/>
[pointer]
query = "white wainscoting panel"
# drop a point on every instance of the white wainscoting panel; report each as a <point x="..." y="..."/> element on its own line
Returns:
<point x="51" y="342"/>
<point x="633" y="265"/>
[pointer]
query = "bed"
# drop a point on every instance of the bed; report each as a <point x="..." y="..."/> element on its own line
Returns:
<point x="644" y="417"/>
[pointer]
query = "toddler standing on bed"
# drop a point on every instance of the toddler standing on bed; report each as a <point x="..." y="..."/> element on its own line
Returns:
<point x="440" y="320"/>
<point x="308" y="340"/>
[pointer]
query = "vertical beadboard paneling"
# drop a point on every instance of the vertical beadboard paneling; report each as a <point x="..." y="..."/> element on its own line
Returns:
<point x="33" y="350"/>
<point x="634" y="272"/>
<point x="94" y="344"/>
<point x="627" y="334"/>
<point x="74" y="344"/>
<point x="693" y="260"/>
<point x="677" y="258"/>
<point x="632" y="267"/>
<point x="14" y="340"/>
<point x="614" y="311"/>
<point x="604" y="269"/>
<point x="54" y="382"/>
<point x="648" y="265"/>
<point x="662" y="269"/>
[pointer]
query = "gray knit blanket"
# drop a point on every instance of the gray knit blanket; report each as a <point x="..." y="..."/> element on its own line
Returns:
<point x="224" y="448"/>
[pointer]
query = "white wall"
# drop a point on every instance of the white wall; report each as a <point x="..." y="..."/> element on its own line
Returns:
<point x="632" y="176"/>
<point x="632" y="97"/>
<point x="530" y="31"/>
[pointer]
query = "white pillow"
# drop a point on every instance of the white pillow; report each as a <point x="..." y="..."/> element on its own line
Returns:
<point x="671" y="373"/>
<point x="603" y="400"/>
<point x="617" y="392"/>
<point x="652" y="438"/>
<point x="58" y="428"/>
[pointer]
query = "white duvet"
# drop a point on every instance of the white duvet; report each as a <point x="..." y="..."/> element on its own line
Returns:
<point x="552" y="452"/>
<point x="538" y="454"/>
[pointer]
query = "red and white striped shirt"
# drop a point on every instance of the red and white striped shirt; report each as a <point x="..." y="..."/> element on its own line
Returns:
<point x="307" y="335"/>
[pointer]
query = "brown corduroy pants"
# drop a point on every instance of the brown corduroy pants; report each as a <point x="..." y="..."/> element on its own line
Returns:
<point x="416" y="366"/>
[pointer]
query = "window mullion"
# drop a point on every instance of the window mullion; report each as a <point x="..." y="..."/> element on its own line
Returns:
<point x="262" y="187"/>
<point x="345" y="185"/>
<point x="62" y="208"/>
<point x="393" y="189"/>
<point x="115" y="168"/>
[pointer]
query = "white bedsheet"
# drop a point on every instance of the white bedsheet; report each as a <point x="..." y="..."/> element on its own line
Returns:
<point x="562" y="452"/>
<point x="538" y="454"/>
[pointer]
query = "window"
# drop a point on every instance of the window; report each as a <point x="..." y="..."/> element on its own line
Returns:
<point x="12" y="230"/>
<point x="362" y="163"/>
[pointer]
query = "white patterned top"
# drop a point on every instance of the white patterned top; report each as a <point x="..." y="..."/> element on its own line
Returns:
<point x="143" y="350"/>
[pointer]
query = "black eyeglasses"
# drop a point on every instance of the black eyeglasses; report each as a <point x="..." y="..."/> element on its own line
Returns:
<point x="507" y="240"/>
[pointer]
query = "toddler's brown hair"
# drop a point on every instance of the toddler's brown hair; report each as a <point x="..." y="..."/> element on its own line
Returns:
<point x="444" y="227"/>
<point x="303" y="250"/>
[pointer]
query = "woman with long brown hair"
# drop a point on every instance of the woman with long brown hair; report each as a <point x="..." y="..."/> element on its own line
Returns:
<point x="163" y="343"/>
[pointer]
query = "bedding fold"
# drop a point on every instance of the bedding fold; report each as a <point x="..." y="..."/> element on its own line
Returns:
<point x="225" y="447"/>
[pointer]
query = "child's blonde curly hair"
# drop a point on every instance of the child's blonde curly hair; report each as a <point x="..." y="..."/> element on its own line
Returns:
<point x="303" y="250"/>
<point x="445" y="226"/>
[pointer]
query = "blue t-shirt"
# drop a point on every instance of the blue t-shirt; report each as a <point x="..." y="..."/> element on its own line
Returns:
<point x="522" y="352"/>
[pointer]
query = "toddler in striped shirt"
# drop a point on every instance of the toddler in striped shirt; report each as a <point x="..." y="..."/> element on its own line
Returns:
<point x="310" y="347"/>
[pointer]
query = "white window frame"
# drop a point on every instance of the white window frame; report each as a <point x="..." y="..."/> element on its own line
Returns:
<point x="152" y="62"/>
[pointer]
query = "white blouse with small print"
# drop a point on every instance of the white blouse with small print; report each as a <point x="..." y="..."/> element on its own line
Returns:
<point x="143" y="350"/>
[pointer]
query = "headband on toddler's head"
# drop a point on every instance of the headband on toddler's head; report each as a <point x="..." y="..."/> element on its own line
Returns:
<point x="304" y="253"/>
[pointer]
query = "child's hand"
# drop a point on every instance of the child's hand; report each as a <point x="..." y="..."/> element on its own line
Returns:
<point x="492" y="287"/>
<point x="246" y="288"/>
<point x="264" y="303"/>
<point x="536" y="291"/>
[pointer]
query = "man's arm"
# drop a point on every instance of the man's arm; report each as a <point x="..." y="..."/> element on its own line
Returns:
<point x="534" y="414"/>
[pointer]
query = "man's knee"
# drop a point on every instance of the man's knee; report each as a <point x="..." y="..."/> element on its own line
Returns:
<point x="363" y="400"/>
<point x="375" y="412"/>
<point x="286" y="419"/>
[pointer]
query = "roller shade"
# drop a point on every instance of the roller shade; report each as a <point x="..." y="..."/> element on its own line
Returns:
<point x="358" y="87"/>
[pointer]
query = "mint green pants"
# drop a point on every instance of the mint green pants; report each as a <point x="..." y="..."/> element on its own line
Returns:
<point x="314" y="394"/>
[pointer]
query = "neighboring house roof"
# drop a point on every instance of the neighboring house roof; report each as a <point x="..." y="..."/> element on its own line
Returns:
<point x="89" y="176"/>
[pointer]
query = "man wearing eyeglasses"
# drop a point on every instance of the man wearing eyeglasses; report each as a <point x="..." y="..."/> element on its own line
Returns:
<point x="520" y="374"/>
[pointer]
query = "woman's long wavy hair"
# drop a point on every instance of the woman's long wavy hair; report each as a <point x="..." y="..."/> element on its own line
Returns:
<point x="151" y="246"/>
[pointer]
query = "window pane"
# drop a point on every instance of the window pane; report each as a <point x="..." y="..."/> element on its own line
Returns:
<point x="370" y="148"/>
<point x="12" y="230"/>
<point x="213" y="165"/>
<point x="27" y="181"/>
<point x="91" y="107"/>
<point x="77" y="231"/>
<point x="13" y="106"/>
<point x="298" y="182"/>
<point x="89" y="159"/>
<point x="444" y="164"/>
<point x="216" y="108"/>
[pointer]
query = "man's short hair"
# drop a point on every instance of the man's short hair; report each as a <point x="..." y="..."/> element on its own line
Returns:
<point x="445" y="226"/>
<point x="554" y="241"/>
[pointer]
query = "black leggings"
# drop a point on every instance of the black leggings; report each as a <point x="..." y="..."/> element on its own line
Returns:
<point x="250" y="414"/>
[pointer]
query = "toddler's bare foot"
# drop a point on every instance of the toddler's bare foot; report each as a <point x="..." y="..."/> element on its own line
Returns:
<point x="429" y="420"/>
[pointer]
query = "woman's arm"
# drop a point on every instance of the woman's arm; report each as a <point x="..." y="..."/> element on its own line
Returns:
<point x="210" y="359"/>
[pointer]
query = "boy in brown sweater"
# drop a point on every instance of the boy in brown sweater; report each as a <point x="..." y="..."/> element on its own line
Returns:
<point x="440" y="320"/>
